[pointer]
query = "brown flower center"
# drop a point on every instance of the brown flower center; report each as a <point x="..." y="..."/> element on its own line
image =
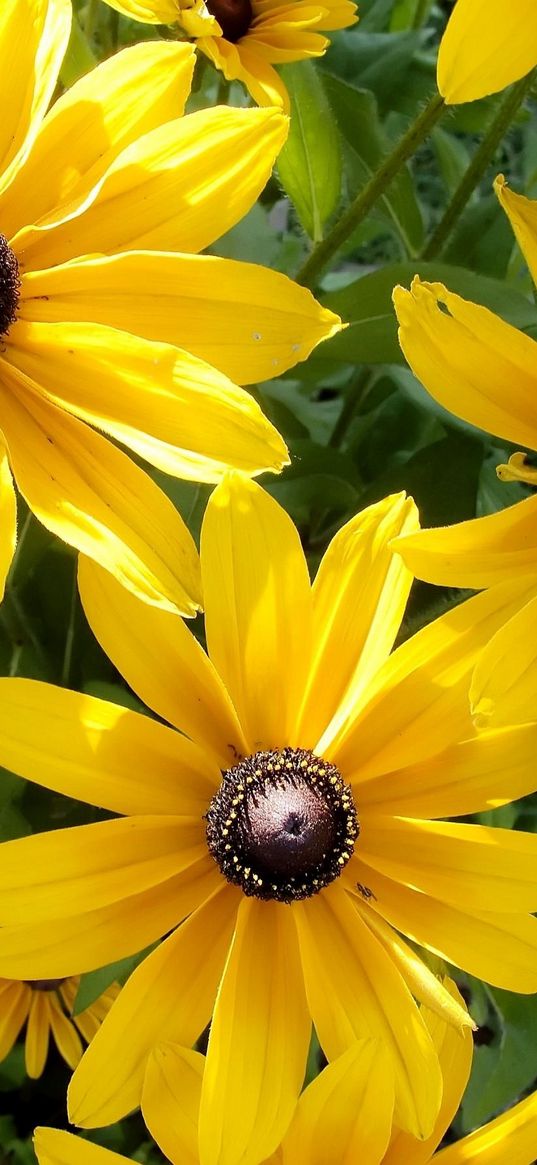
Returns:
<point x="282" y="825"/>
<point x="233" y="16"/>
<point x="9" y="286"/>
<point x="44" y="984"/>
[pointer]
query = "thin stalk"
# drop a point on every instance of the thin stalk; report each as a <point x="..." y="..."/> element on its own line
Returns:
<point x="479" y="164"/>
<point x="354" y="395"/>
<point x="368" y="196"/>
<point x="70" y="634"/>
<point x="420" y="13"/>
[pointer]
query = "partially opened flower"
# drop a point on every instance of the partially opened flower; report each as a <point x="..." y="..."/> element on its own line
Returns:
<point x="487" y="45"/>
<point x="46" y="1007"/>
<point x="294" y="817"/>
<point x="342" y="1118"/>
<point x="102" y="327"/>
<point x="246" y="38"/>
<point x="485" y="371"/>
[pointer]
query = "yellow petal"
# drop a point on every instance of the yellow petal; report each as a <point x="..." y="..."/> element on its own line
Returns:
<point x="98" y="752"/>
<point x="418" y="702"/>
<point x="345" y="1115"/>
<point x="455" y="1055"/>
<point x="162" y="661"/>
<point x="8" y="518"/>
<point x="51" y="949"/>
<point x="425" y="987"/>
<point x="504" y="683"/>
<point x="148" y="11"/>
<point x="247" y="321"/>
<point x="65" y="1035"/>
<point x="37" y="1034"/>
<point x="15" y="1003"/>
<point x="481" y="866"/>
<point x="56" y="1147"/>
<point x="359" y="969"/>
<point x="169" y="407"/>
<point x="512" y="1138"/>
<point x="112" y="105"/>
<point x="240" y="62"/>
<point x="486" y="46"/>
<point x="33" y="39"/>
<point x="359" y="596"/>
<point x="178" y="187"/>
<point x="170" y="1101"/>
<point x="500" y="948"/>
<point x="258" y="603"/>
<point x="259" y="1040"/>
<point x="493" y="549"/>
<point x="522" y="214"/>
<point x="170" y="996"/>
<point x="92" y="496"/>
<point x="491" y="769"/>
<point x="470" y="360"/>
<point x="66" y="871"/>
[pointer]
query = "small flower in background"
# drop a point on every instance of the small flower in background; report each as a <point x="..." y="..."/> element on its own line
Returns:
<point x="487" y="45"/>
<point x="46" y="1007"/>
<point x="343" y="1117"/>
<point x="245" y="38"/>
<point x="103" y="327"/>
<point x="485" y="371"/>
<point x="294" y="817"/>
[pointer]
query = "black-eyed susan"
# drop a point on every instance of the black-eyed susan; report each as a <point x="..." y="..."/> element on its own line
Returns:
<point x="104" y="327"/>
<point x="294" y="817"/>
<point x="485" y="371"/>
<point x="343" y="1117"/>
<point x="46" y="1007"/>
<point x="246" y="38"/>
<point x="487" y="45"/>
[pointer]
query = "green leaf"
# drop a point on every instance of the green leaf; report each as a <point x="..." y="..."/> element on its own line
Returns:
<point x="506" y="1067"/>
<point x="93" y="983"/>
<point x="366" y="304"/>
<point x="366" y="145"/>
<point x="309" y="166"/>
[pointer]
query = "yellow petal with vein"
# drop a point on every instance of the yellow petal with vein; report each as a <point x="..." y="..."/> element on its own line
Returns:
<point x="36" y="1043"/>
<point x="99" y="752"/>
<point x="56" y="1147"/>
<point x="471" y="361"/>
<point x="486" y="46"/>
<point x="170" y="1101"/>
<point x="360" y="969"/>
<point x="259" y="1040"/>
<point x="8" y="518"/>
<point x="65" y="1035"/>
<point x="170" y="996"/>
<point x="162" y="661"/>
<point x="15" y="998"/>
<point x="33" y="38"/>
<point x="345" y="1115"/>
<point x="148" y="11"/>
<point x="247" y="321"/>
<point x="112" y="105"/>
<point x="522" y="214"/>
<point x="93" y="497"/>
<point x="178" y="187"/>
<point x="359" y="597"/>
<point x="504" y="683"/>
<point x="512" y="1138"/>
<point x="257" y="608"/>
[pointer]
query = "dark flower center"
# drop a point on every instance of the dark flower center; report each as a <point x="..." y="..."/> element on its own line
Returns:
<point x="233" y="16"/>
<point x="282" y="825"/>
<point x="9" y="286"/>
<point x="44" y="984"/>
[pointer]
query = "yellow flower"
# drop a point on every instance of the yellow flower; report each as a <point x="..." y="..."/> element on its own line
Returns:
<point x="294" y="817"/>
<point x="485" y="371"/>
<point x="343" y="1117"/>
<point x="245" y="38"/>
<point x="102" y="328"/>
<point x="46" y="1006"/>
<point x="487" y="45"/>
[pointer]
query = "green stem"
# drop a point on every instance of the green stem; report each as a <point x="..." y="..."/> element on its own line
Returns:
<point x="480" y="161"/>
<point x="354" y="395"/>
<point x="70" y="634"/>
<point x="370" y="193"/>
<point x="90" y="22"/>
<point x="420" y="13"/>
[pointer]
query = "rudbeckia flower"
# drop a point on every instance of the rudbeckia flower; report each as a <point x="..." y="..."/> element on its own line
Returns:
<point x="343" y="1117"/>
<point x="294" y="817"/>
<point x="46" y="1007"/>
<point x="245" y="38"/>
<point x="103" y="330"/>
<point x="485" y="371"/>
<point x="487" y="45"/>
